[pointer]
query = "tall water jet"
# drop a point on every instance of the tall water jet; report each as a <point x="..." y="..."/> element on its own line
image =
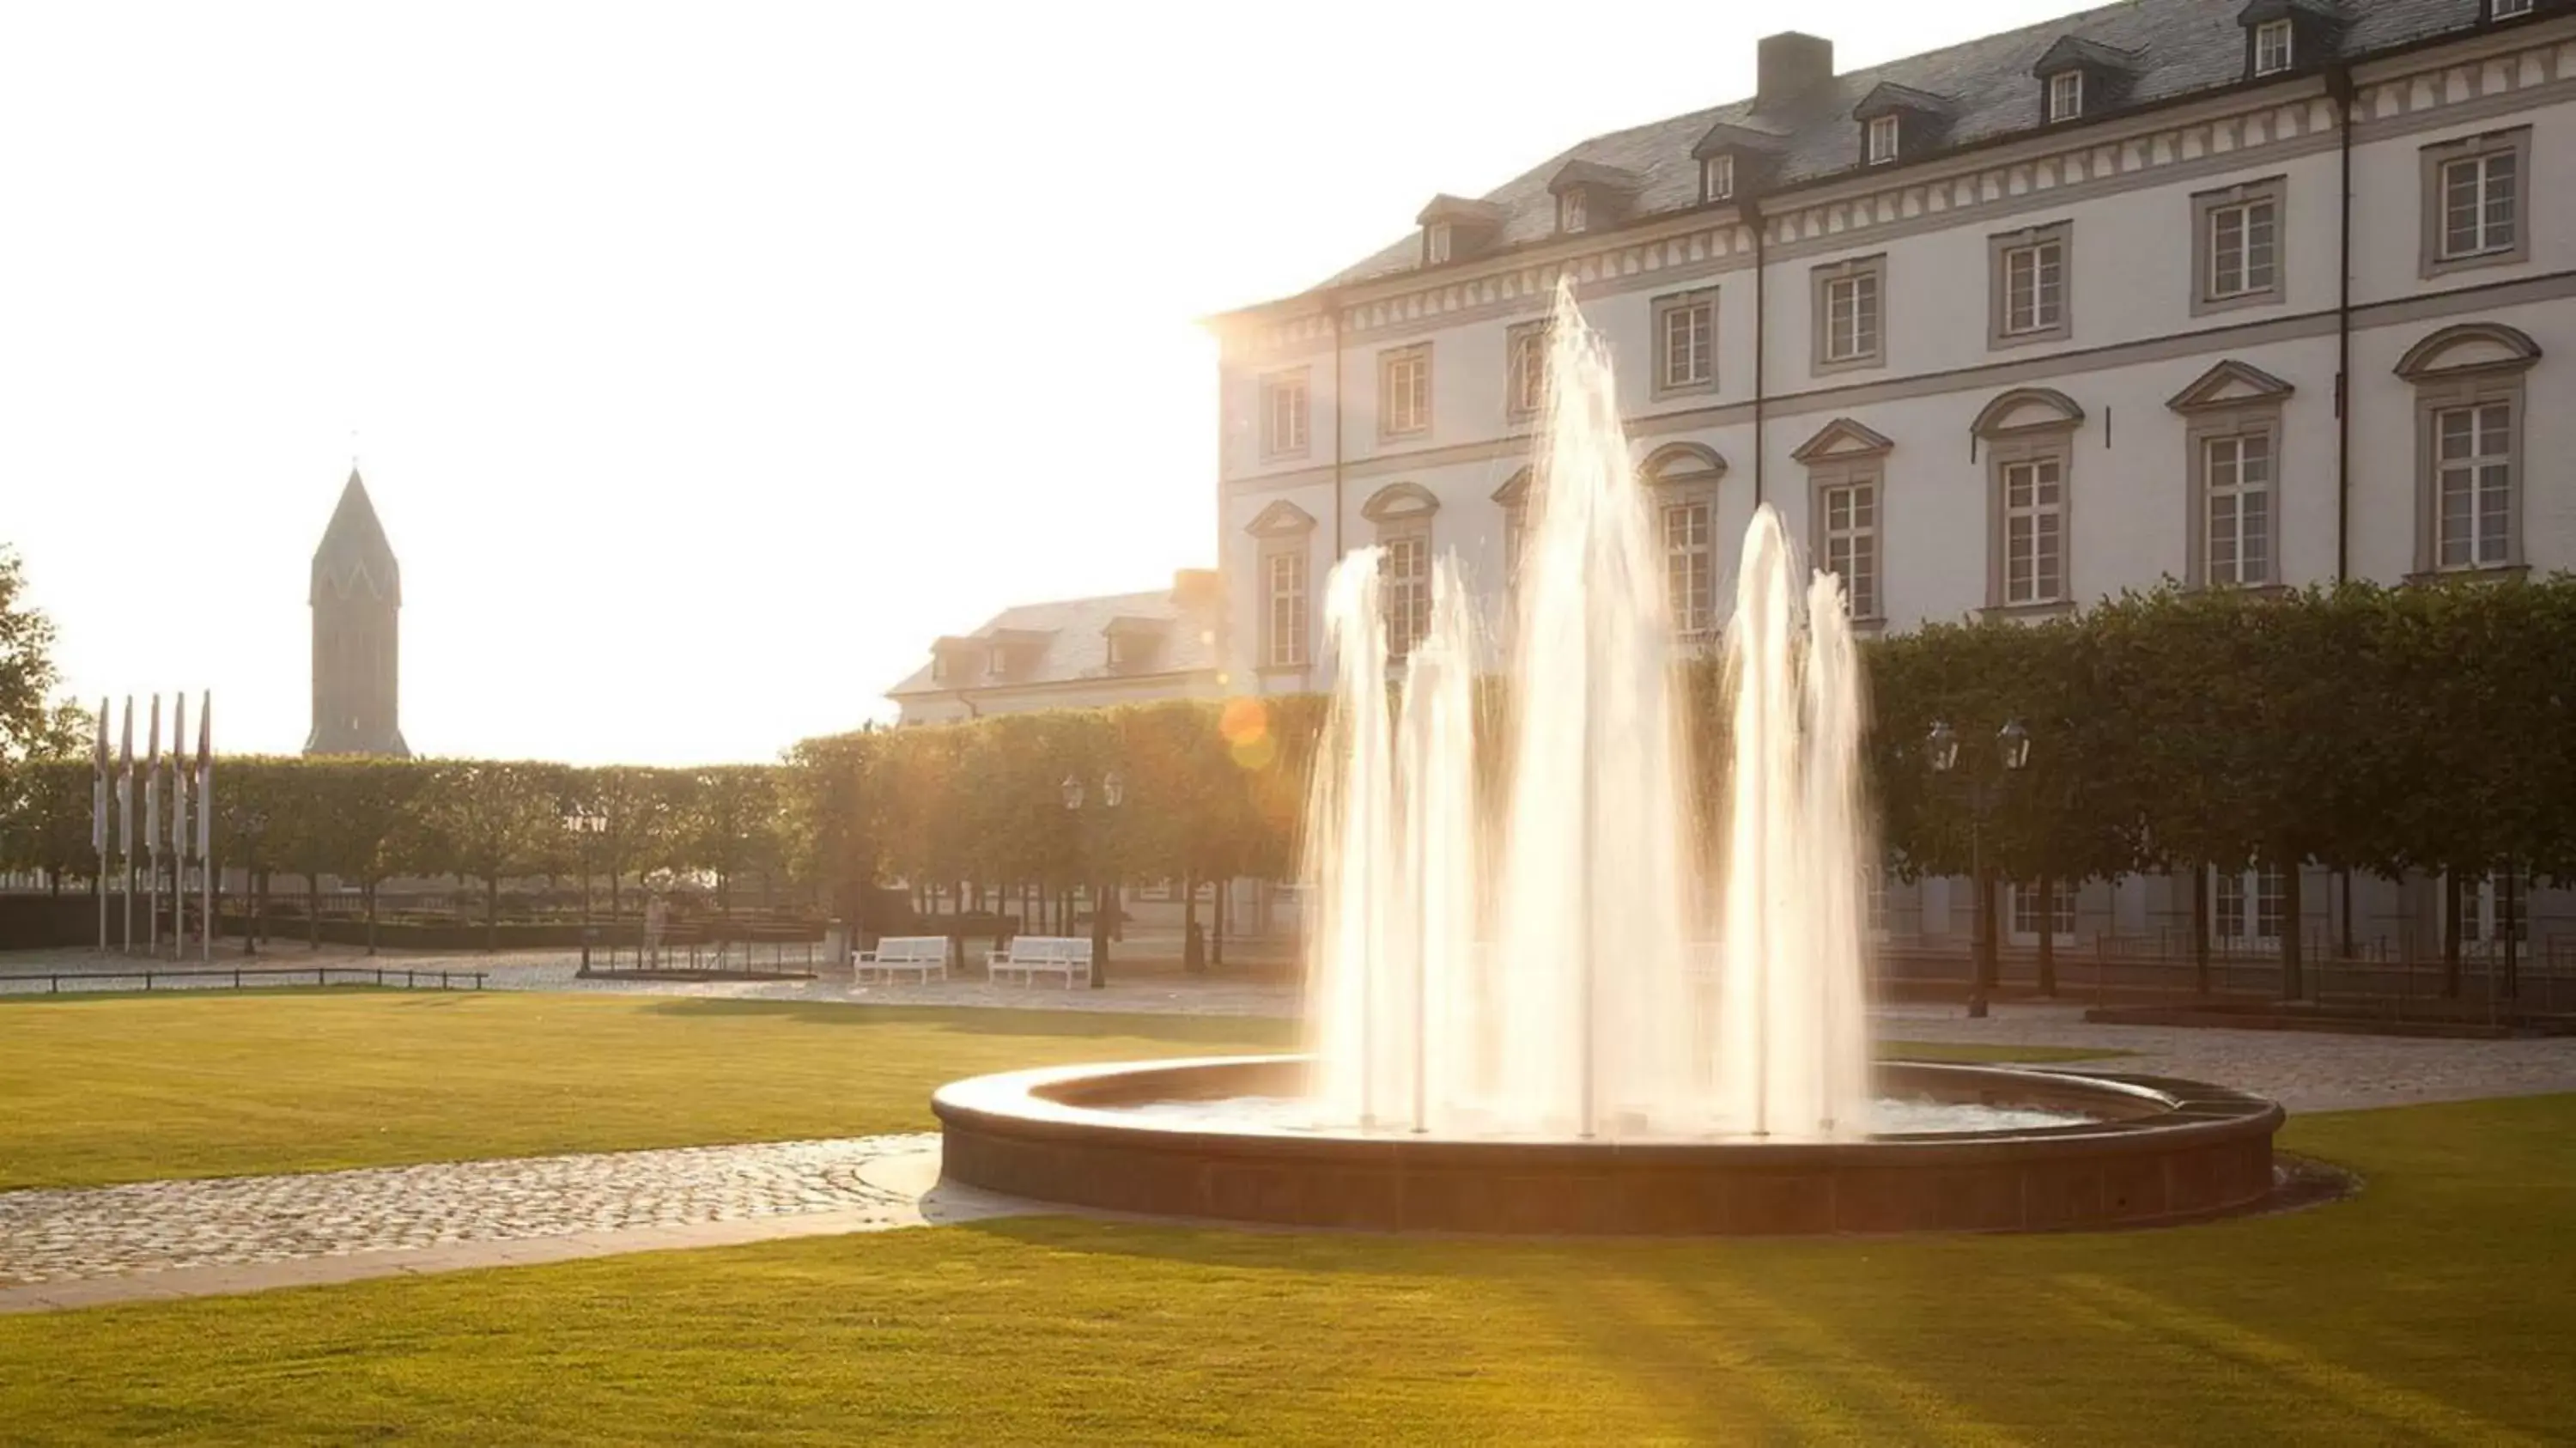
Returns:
<point x="1591" y="1008"/>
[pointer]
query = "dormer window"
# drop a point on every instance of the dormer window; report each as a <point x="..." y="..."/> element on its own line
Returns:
<point x="2272" y="46"/>
<point x="1456" y="230"/>
<point x="1717" y="178"/>
<point x="1882" y="140"/>
<point x="2509" y="9"/>
<point x="1436" y="242"/>
<point x="2066" y="95"/>
<point x="998" y="662"/>
<point x="1570" y="212"/>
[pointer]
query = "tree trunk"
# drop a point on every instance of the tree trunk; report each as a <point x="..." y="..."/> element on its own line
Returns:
<point x="312" y="911"/>
<point x="2200" y="930"/>
<point x="2508" y="914"/>
<point x="2047" y="935"/>
<point x="1984" y="947"/>
<point x="491" y="913"/>
<point x="2450" y="935"/>
<point x="2293" y="918"/>
<point x="1193" y="952"/>
<point x="371" y="917"/>
<point x="1216" y="945"/>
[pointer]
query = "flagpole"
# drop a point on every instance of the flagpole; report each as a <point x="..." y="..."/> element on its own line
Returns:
<point x="179" y="827"/>
<point x="125" y="819"/>
<point x="152" y="836"/>
<point x="98" y="819"/>
<point x="206" y="820"/>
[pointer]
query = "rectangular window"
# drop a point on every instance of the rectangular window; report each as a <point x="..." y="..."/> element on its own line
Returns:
<point x="2480" y="204"/>
<point x="2236" y="482"/>
<point x="2272" y="47"/>
<point x="2066" y="95"/>
<point x="1717" y="178"/>
<point x="1686" y="339"/>
<point x="1404" y="391"/>
<point x="1851" y="317"/>
<point x="1882" y="139"/>
<point x="1285" y="586"/>
<point x="2243" y="249"/>
<point x="1525" y="368"/>
<point x="1515" y="535"/>
<point x="2473" y="482"/>
<point x="1283" y="414"/>
<point x="1404" y="586"/>
<point x="2034" y="287"/>
<point x="1570" y="211"/>
<point x="2246" y="906"/>
<point x="1690" y="566"/>
<point x="1851" y="543"/>
<point x="1436" y="243"/>
<point x="2508" y="9"/>
<point x="2034" y="532"/>
<point x="2025" y="912"/>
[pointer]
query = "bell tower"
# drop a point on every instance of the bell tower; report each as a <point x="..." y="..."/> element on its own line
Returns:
<point x="357" y="603"/>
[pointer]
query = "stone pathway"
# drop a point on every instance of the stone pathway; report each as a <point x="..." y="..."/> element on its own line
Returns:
<point x="72" y="1247"/>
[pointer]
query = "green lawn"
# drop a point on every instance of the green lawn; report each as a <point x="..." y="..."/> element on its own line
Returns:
<point x="117" y="1088"/>
<point x="2439" y="1307"/>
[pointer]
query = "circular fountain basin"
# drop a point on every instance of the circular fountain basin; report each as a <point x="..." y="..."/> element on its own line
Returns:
<point x="2135" y="1151"/>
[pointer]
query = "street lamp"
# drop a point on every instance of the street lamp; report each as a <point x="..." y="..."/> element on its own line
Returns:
<point x="1113" y="793"/>
<point x="586" y="825"/>
<point x="2012" y="749"/>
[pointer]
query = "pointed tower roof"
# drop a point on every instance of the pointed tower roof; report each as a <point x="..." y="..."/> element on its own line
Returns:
<point x="354" y="557"/>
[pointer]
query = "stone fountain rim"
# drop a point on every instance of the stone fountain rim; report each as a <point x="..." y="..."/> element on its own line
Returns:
<point x="1031" y="1105"/>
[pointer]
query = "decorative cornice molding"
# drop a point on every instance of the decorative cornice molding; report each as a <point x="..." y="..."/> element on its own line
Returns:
<point x="2469" y="349"/>
<point x="1400" y="500"/>
<point x="2026" y="410"/>
<point x="2231" y="384"/>
<point x="1840" y="439"/>
<point x="2161" y="146"/>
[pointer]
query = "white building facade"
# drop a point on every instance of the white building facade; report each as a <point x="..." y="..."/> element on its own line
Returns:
<point x="2236" y="295"/>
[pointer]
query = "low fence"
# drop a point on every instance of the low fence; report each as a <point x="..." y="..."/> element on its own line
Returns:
<point x="243" y="977"/>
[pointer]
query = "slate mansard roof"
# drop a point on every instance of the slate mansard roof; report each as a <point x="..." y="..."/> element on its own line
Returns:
<point x="2177" y="48"/>
<point x="1068" y="642"/>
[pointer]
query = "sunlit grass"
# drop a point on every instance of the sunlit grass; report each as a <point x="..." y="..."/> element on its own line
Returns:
<point x="2435" y="1308"/>
<point x="133" y="1087"/>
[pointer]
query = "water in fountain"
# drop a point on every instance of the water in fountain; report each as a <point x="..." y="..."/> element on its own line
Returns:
<point x="1564" y="989"/>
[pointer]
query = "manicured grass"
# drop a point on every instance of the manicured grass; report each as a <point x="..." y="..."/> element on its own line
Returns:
<point x="108" y="1089"/>
<point x="117" y="1088"/>
<point x="2438" y="1307"/>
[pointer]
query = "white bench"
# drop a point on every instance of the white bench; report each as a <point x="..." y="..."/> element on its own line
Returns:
<point x="923" y="956"/>
<point x="1030" y="956"/>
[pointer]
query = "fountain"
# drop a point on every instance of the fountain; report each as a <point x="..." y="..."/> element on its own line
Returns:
<point x="1542" y="997"/>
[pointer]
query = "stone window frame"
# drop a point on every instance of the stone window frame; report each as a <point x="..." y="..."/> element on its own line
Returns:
<point x="2204" y="205"/>
<point x="2515" y="141"/>
<point x="1403" y="513"/>
<point x="1387" y="362"/>
<point x="1891" y="126"/>
<point x="1284" y="530"/>
<point x="1573" y="211"/>
<point x="1999" y="250"/>
<point x="1513" y="497"/>
<point x="1852" y="471"/>
<point x="1686" y="475"/>
<point x="1518" y="334"/>
<point x="1670" y="305"/>
<point x="2008" y="444"/>
<point x="1302" y="379"/>
<point x="2439" y="389"/>
<point x="1820" y="286"/>
<point x="2256" y="417"/>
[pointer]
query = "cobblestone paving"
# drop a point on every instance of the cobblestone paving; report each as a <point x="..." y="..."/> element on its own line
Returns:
<point x="2303" y="1070"/>
<point x="62" y="1235"/>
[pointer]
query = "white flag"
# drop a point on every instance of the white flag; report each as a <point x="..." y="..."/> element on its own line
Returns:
<point x="179" y="779"/>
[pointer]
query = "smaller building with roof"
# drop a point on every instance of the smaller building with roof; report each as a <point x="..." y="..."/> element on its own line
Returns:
<point x="1077" y="653"/>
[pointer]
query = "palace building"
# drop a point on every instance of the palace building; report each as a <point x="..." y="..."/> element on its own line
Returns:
<point x="2241" y="295"/>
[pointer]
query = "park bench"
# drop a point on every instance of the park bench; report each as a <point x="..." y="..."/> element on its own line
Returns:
<point x="922" y="955"/>
<point x="1030" y="956"/>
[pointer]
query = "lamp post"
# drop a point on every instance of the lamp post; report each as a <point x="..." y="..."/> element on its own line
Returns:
<point x="1091" y="819"/>
<point x="2012" y="750"/>
<point x="586" y="825"/>
<point x="254" y="825"/>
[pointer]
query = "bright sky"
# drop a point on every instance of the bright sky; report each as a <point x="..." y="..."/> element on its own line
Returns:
<point x="705" y="362"/>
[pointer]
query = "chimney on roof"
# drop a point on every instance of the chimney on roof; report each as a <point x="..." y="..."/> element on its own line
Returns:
<point x="1196" y="588"/>
<point x="1788" y="65"/>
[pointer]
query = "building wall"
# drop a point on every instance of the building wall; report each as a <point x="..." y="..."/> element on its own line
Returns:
<point x="1102" y="693"/>
<point x="2126" y="188"/>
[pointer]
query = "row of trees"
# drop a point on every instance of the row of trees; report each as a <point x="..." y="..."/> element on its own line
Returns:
<point x="2426" y="730"/>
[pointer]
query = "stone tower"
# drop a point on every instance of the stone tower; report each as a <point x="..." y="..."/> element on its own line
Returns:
<point x="357" y="603"/>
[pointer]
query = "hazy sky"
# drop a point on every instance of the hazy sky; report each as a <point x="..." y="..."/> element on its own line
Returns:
<point x="706" y="361"/>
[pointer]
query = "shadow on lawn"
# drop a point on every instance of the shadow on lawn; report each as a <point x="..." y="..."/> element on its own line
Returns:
<point x="993" y="1020"/>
